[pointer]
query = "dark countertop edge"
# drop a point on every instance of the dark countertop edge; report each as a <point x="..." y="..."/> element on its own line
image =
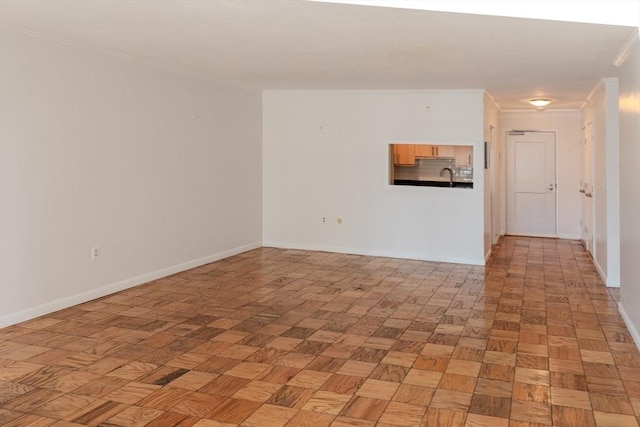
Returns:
<point x="441" y="184"/>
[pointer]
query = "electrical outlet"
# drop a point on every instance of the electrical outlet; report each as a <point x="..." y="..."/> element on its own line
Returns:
<point x="324" y="219"/>
<point x="95" y="253"/>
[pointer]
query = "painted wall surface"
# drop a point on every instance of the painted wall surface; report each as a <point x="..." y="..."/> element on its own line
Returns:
<point x="601" y="110"/>
<point x="326" y="155"/>
<point x="566" y="125"/>
<point x="629" y="103"/>
<point x="492" y="193"/>
<point x="162" y="172"/>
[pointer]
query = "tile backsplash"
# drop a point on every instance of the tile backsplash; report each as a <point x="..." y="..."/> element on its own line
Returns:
<point x="432" y="168"/>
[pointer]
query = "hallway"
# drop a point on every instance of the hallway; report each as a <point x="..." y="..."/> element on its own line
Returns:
<point x="276" y="337"/>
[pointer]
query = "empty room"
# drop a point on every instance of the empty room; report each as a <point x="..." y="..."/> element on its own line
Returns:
<point x="319" y="213"/>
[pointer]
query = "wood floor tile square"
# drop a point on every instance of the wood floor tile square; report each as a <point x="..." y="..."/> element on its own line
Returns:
<point x="402" y="414"/>
<point x="605" y="419"/>
<point x="295" y="360"/>
<point x="258" y="391"/>
<point x="134" y="416"/>
<point x="132" y="392"/>
<point x="31" y="421"/>
<point x="225" y="385"/>
<point x="392" y="373"/>
<point x="364" y="408"/>
<point x="97" y="413"/>
<point x="327" y="402"/>
<point x="197" y="404"/>
<point x="616" y="404"/>
<point x="343" y="384"/>
<point x="193" y="380"/>
<point x="531" y="392"/>
<point x="173" y="419"/>
<point x="490" y="406"/>
<point x="357" y="368"/>
<point x="278" y="374"/>
<point x="247" y="370"/>
<point x="497" y="372"/>
<point x="326" y="364"/>
<point x="453" y="400"/>
<point x="477" y="420"/>
<point x="64" y="406"/>
<point x="309" y="379"/>
<point x="32" y="399"/>
<point x="494" y="387"/>
<point x="443" y="418"/>
<point x="413" y="395"/>
<point x="270" y="415"/>
<point x="567" y="416"/>
<point x="431" y="363"/>
<point x="310" y="419"/>
<point x="568" y="380"/>
<point x="232" y="410"/>
<point x="423" y="378"/>
<point x="13" y="369"/>
<point x="533" y="412"/>
<point x="532" y="376"/>
<point x="457" y="382"/>
<point x="378" y="389"/>
<point x="291" y="396"/>
<point x="571" y="398"/>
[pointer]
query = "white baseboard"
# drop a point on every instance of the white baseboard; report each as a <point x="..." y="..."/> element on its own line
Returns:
<point x="370" y="252"/>
<point x="630" y="326"/>
<point x="61" y="303"/>
<point x="569" y="236"/>
<point x="487" y="256"/>
<point x="610" y="283"/>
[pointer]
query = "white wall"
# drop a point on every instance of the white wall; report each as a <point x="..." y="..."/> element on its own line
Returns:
<point x="629" y="102"/>
<point x="566" y="125"/>
<point x="601" y="110"/>
<point x="492" y="190"/>
<point x="326" y="155"/>
<point x="162" y="172"/>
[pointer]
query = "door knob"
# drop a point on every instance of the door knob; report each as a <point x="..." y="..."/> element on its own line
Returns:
<point x="582" y="190"/>
<point x="588" y="194"/>
<point x="550" y="187"/>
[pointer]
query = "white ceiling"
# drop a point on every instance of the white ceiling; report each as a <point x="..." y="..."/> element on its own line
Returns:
<point x="294" y="44"/>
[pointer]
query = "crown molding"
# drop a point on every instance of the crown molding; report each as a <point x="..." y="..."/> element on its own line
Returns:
<point x="626" y="48"/>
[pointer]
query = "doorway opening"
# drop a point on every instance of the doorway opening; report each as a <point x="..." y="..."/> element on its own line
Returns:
<point x="531" y="183"/>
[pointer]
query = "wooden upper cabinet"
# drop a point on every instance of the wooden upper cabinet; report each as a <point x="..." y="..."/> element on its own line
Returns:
<point x="435" y="150"/>
<point x="464" y="154"/>
<point x="404" y="154"/>
<point x="446" y="151"/>
<point x="425" y="150"/>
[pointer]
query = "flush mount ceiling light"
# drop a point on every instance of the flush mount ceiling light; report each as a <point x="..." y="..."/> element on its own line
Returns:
<point x="539" y="102"/>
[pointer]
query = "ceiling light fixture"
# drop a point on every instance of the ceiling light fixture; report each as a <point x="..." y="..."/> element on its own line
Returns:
<point x="540" y="102"/>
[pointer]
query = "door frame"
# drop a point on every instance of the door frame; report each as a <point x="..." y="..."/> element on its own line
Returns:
<point x="506" y="183"/>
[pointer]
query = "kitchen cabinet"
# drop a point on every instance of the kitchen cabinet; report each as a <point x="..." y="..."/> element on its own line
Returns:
<point x="425" y="150"/>
<point x="448" y="151"/>
<point x="404" y="154"/>
<point x="464" y="155"/>
<point x="435" y="151"/>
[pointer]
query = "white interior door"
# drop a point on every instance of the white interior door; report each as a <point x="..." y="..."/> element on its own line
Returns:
<point x="586" y="187"/>
<point x="531" y="183"/>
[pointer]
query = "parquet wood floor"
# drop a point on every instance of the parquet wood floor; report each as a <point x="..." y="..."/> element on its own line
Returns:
<point x="278" y="337"/>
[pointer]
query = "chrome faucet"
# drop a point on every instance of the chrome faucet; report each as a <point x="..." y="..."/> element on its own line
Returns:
<point x="450" y="175"/>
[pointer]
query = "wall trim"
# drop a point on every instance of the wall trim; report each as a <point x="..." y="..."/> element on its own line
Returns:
<point x="62" y="303"/>
<point x="635" y="334"/>
<point x="626" y="48"/>
<point x="378" y="253"/>
<point x="569" y="236"/>
<point x="488" y="255"/>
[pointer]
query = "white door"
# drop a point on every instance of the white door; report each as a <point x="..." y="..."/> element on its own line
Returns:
<point x="531" y="183"/>
<point x="586" y="187"/>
